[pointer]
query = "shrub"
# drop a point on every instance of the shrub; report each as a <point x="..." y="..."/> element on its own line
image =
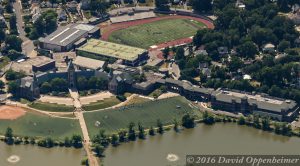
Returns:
<point x="121" y="97"/>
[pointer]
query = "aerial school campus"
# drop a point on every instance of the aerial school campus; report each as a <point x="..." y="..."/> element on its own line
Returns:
<point x="122" y="77"/>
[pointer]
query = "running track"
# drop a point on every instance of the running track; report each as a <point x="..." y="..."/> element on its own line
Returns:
<point x="109" y="29"/>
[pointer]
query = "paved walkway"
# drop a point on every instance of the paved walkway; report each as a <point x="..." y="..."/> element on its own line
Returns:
<point x="57" y="100"/>
<point x="86" y="138"/>
<point x="167" y="95"/>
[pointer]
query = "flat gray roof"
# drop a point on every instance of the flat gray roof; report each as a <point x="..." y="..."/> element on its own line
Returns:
<point x="262" y="102"/>
<point x="65" y="35"/>
<point x="88" y="63"/>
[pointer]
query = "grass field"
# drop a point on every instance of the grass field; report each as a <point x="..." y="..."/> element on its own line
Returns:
<point x="51" y="107"/>
<point x="101" y="104"/>
<point x="157" y="32"/>
<point x="37" y="125"/>
<point x="147" y="113"/>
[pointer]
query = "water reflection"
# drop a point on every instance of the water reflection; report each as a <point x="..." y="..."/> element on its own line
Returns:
<point x="216" y="139"/>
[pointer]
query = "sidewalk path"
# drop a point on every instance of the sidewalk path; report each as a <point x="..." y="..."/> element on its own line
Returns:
<point x="86" y="138"/>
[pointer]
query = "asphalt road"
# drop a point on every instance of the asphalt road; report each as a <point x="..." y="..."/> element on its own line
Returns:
<point x="27" y="46"/>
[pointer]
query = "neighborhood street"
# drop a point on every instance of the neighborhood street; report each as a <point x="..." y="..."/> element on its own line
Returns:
<point x="27" y="46"/>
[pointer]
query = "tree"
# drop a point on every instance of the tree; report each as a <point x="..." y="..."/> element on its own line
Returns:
<point x="2" y="36"/>
<point x="202" y="5"/>
<point x="53" y="2"/>
<point x="13" y="24"/>
<point x="235" y="64"/>
<point x="160" y="129"/>
<point x="188" y="121"/>
<point x="247" y="49"/>
<point x="8" y="8"/>
<point x="99" y="150"/>
<point x="256" y="122"/>
<point x="101" y="138"/>
<point x="166" y="52"/>
<point x="49" y="142"/>
<point x="26" y="140"/>
<point x="241" y="120"/>
<point x="9" y="136"/>
<point x="175" y="125"/>
<point x="46" y="87"/>
<point x="208" y="118"/>
<point x="46" y="23"/>
<point x="277" y="128"/>
<point x="67" y="142"/>
<point x="114" y="140"/>
<point x="286" y="129"/>
<point x="12" y="75"/>
<point x="162" y="5"/>
<point x="12" y="87"/>
<point x="13" y="42"/>
<point x="82" y="83"/>
<point x="131" y="131"/>
<point x="283" y="5"/>
<point x="283" y="45"/>
<point x="179" y="54"/>
<point x="197" y="39"/>
<point x="141" y="131"/>
<point x="151" y="131"/>
<point x="92" y="82"/>
<point x="13" y="54"/>
<point x="122" y="135"/>
<point x="59" y="84"/>
<point x="100" y="6"/>
<point x="2" y="85"/>
<point x="32" y="140"/>
<point x="76" y="141"/>
<point x="266" y="124"/>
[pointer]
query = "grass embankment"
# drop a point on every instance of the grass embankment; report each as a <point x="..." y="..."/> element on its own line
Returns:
<point x="147" y="113"/>
<point x="101" y="104"/>
<point x="38" y="125"/>
<point x="146" y="35"/>
<point x="51" y="107"/>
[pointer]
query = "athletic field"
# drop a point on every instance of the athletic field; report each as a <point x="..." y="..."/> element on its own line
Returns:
<point x="147" y="113"/>
<point x="146" y="35"/>
<point x="38" y="125"/>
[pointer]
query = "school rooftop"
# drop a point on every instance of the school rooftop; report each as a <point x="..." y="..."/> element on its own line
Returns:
<point x="114" y="50"/>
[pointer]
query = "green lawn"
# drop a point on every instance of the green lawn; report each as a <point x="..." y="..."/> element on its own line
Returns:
<point x="147" y="113"/>
<point x="51" y="107"/>
<point x="101" y="104"/>
<point x="161" y="31"/>
<point x="37" y="125"/>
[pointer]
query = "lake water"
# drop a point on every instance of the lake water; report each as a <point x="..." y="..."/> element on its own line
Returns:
<point x="216" y="139"/>
<point x="32" y="155"/>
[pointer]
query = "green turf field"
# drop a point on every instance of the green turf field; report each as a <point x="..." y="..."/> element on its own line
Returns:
<point x="147" y="113"/>
<point x="37" y="125"/>
<point x="157" y="32"/>
<point x="51" y="107"/>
